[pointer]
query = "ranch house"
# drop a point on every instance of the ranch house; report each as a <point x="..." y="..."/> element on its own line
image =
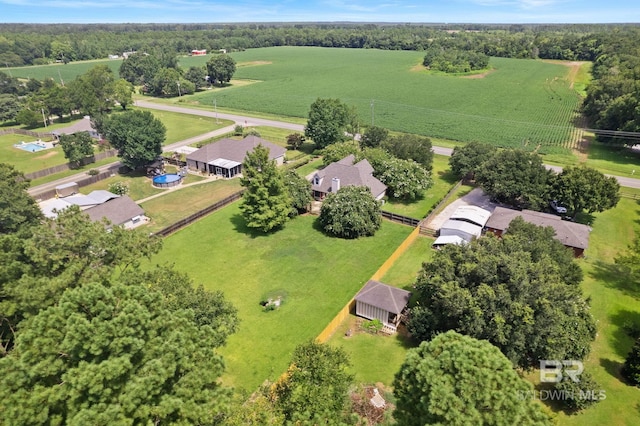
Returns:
<point x="224" y="158"/>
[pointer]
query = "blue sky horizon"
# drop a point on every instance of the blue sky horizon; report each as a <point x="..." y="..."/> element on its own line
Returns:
<point x="392" y="11"/>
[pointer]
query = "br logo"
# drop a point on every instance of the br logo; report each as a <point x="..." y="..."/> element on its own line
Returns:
<point x="552" y="371"/>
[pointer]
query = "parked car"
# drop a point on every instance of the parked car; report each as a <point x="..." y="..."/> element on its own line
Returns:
<point x="557" y="207"/>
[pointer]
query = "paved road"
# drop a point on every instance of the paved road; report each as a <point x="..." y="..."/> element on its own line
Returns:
<point x="33" y="191"/>
<point x="249" y="122"/>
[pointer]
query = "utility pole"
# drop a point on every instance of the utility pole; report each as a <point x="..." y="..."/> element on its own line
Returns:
<point x="179" y="93"/>
<point x="215" y="107"/>
<point x="8" y="70"/>
<point x="372" y="114"/>
<point x="61" y="80"/>
<point x="44" y="119"/>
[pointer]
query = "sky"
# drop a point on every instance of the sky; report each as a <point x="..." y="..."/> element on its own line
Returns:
<point x="397" y="11"/>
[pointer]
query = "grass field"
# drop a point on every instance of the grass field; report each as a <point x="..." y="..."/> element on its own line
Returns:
<point x="443" y="181"/>
<point x="176" y="205"/>
<point x="522" y="103"/>
<point x="316" y="274"/>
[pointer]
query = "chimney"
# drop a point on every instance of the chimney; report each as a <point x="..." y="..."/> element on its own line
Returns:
<point x="335" y="185"/>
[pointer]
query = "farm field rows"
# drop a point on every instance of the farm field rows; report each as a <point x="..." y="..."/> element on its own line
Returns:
<point x="519" y="103"/>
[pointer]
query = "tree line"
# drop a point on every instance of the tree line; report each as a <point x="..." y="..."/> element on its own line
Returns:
<point x="612" y="96"/>
<point x="37" y="44"/>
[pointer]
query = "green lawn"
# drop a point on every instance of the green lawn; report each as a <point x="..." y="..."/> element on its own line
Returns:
<point x="140" y="185"/>
<point x="309" y="167"/>
<point x="316" y="274"/>
<point x="178" y="204"/>
<point x="613" y="160"/>
<point x="184" y="126"/>
<point x="614" y="301"/>
<point x="443" y="181"/>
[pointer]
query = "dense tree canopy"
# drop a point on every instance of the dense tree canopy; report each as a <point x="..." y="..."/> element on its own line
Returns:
<point x="299" y="190"/>
<point x="77" y="146"/>
<point x="454" y="61"/>
<point x="221" y="68"/>
<point x="629" y="261"/>
<point x="314" y="388"/>
<point x="405" y="179"/>
<point x="585" y="189"/>
<point x="373" y="137"/>
<point x="17" y="208"/>
<point x="266" y="203"/>
<point x="411" y="147"/>
<point x="327" y="122"/>
<point x="339" y="150"/>
<point x="137" y="135"/>
<point x="456" y="379"/>
<point x="515" y="177"/>
<point x="507" y="291"/>
<point x="139" y="68"/>
<point x="112" y="354"/>
<point x="467" y="159"/>
<point x="351" y="212"/>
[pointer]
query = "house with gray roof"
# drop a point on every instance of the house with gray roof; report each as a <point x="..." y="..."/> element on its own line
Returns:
<point x="380" y="301"/>
<point x="571" y="234"/>
<point x="344" y="173"/>
<point x="83" y="125"/>
<point x="225" y="157"/>
<point x="120" y="211"/>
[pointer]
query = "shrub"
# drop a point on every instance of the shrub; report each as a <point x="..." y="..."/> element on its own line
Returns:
<point x="579" y="395"/>
<point x="351" y="212"/>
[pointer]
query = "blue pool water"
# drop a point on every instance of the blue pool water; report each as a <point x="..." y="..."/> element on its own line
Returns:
<point x="31" y="147"/>
<point x="169" y="178"/>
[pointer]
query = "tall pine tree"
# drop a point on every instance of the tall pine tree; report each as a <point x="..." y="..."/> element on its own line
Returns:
<point x="266" y="203"/>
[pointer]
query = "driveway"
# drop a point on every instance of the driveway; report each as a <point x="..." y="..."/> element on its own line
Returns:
<point x="474" y="198"/>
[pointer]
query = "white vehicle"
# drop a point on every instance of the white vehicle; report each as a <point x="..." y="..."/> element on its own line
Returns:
<point x="557" y="207"/>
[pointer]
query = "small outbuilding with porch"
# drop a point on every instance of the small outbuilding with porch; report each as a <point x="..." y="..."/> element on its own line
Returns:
<point x="382" y="302"/>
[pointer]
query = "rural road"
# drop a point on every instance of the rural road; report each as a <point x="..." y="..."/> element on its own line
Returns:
<point x="247" y="122"/>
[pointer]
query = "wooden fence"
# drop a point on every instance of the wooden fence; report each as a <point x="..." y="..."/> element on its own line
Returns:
<point x="85" y="181"/>
<point x="199" y="214"/>
<point x="64" y="167"/>
<point x="405" y="220"/>
<point x="336" y="321"/>
<point x="630" y="195"/>
<point x="13" y="131"/>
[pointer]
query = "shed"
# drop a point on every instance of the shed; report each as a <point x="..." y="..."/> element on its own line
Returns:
<point x="443" y="240"/>
<point x="380" y="301"/>
<point x="465" y="230"/>
<point x="67" y="189"/>
<point x="472" y="214"/>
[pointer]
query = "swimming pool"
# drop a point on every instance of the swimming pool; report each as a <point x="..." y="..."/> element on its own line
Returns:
<point x="166" y="181"/>
<point x="31" y="147"/>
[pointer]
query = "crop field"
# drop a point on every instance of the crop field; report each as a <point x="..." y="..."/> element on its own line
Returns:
<point x="519" y="103"/>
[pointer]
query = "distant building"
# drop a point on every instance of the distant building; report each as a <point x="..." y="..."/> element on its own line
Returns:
<point x="199" y="52"/>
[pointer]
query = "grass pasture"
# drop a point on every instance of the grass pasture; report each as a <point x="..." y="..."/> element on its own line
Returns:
<point x="319" y="274"/>
<point x="66" y="72"/>
<point x="523" y="103"/>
